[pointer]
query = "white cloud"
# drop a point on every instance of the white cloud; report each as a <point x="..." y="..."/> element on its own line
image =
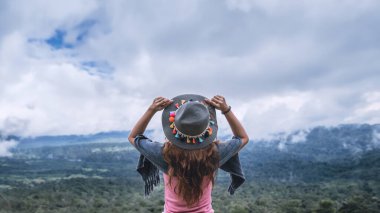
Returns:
<point x="299" y="136"/>
<point x="282" y="66"/>
<point x="5" y="147"/>
<point x="376" y="138"/>
<point x="367" y="110"/>
<point x="321" y="9"/>
<point x="57" y="97"/>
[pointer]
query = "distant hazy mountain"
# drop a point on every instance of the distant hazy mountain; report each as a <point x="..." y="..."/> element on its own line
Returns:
<point x="62" y="140"/>
<point x="325" y="143"/>
<point x="317" y="144"/>
<point x="344" y="151"/>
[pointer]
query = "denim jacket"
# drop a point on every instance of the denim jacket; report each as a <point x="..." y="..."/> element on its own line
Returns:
<point x="151" y="161"/>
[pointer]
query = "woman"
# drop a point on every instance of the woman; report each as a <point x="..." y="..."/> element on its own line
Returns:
<point x="191" y="156"/>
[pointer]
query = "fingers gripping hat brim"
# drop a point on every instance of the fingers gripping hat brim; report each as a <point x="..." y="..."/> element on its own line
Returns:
<point x="195" y="143"/>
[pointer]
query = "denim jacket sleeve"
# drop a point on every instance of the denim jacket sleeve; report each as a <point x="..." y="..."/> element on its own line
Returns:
<point x="152" y="150"/>
<point x="151" y="161"/>
<point x="228" y="149"/>
<point x="230" y="162"/>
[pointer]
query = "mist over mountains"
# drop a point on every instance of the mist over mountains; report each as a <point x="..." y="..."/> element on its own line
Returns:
<point x="319" y="153"/>
<point x="321" y="143"/>
<point x="325" y="143"/>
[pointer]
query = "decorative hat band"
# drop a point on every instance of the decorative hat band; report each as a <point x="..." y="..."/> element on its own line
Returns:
<point x="189" y="138"/>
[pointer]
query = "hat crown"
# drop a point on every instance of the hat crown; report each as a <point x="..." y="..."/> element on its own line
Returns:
<point x="189" y="122"/>
<point x="192" y="118"/>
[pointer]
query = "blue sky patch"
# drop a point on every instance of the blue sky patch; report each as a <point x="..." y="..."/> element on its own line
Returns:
<point x="84" y="29"/>
<point x="102" y="68"/>
<point x="57" y="41"/>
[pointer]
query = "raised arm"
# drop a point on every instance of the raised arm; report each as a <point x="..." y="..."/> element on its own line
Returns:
<point x="219" y="102"/>
<point x="158" y="104"/>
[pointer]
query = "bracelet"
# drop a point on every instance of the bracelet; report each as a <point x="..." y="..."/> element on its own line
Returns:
<point x="225" y="112"/>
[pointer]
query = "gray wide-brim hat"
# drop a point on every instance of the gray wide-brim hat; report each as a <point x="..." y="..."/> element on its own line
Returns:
<point x="189" y="122"/>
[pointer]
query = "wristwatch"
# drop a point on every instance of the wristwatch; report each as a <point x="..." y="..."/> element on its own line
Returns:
<point x="225" y="112"/>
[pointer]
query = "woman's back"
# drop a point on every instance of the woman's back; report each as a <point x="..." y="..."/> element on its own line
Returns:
<point x="191" y="152"/>
<point x="173" y="203"/>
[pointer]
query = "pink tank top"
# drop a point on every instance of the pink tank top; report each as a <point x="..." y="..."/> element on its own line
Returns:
<point x="173" y="203"/>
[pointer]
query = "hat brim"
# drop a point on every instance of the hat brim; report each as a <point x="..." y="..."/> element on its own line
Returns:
<point x="169" y="131"/>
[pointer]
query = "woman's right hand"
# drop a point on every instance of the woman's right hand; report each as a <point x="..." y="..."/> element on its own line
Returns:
<point x="219" y="102"/>
<point x="159" y="104"/>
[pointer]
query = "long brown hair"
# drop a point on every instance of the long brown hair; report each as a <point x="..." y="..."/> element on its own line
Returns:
<point x="190" y="167"/>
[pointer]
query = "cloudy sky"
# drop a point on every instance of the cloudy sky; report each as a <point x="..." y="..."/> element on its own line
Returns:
<point x="78" y="67"/>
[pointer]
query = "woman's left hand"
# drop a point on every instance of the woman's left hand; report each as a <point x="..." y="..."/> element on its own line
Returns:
<point x="159" y="104"/>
